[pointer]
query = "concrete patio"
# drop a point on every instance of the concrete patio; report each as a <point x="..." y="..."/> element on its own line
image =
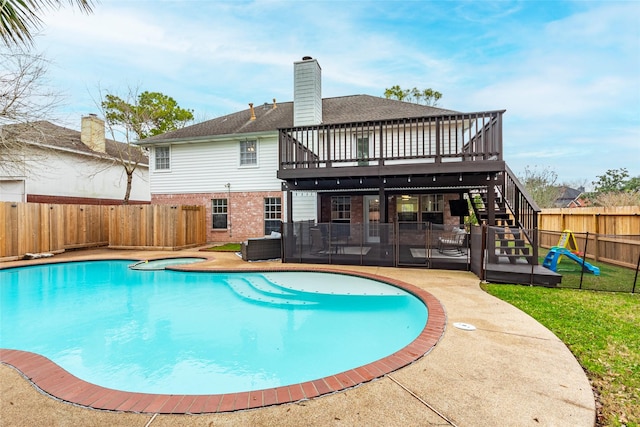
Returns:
<point x="510" y="371"/>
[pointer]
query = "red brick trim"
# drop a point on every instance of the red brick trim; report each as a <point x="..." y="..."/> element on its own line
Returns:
<point x="57" y="382"/>
<point x="70" y="200"/>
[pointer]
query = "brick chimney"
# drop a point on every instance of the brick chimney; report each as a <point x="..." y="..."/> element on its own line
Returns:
<point x="307" y="92"/>
<point x="92" y="133"/>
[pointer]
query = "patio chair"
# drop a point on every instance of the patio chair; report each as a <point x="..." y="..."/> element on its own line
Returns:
<point x="318" y="241"/>
<point x="452" y="243"/>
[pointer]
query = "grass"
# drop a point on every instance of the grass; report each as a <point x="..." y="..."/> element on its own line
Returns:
<point x="602" y="329"/>
<point x="611" y="278"/>
<point x="227" y="247"/>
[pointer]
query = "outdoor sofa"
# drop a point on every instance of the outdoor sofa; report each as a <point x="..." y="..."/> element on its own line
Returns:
<point x="262" y="248"/>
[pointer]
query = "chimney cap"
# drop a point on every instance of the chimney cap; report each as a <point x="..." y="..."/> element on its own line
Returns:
<point x="306" y="58"/>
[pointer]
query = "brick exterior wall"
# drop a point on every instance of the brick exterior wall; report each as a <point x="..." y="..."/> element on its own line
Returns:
<point x="245" y="212"/>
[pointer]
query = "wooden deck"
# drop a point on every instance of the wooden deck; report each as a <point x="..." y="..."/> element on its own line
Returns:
<point x="522" y="274"/>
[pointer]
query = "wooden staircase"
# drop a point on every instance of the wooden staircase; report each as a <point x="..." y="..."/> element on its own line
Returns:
<point x="510" y="242"/>
<point x="511" y="217"/>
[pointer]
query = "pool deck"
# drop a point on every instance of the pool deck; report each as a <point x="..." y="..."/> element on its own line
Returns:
<point x="509" y="371"/>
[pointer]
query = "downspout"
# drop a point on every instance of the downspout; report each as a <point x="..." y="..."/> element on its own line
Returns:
<point x="228" y="185"/>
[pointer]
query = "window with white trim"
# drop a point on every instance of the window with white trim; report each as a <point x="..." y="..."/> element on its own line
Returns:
<point x="341" y="208"/>
<point x="219" y="210"/>
<point x="272" y="214"/>
<point x="248" y="153"/>
<point x="163" y="157"/>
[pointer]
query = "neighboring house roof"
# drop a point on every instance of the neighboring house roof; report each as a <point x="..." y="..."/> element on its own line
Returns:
<point x="46" y="133"/>
<point x="345" y="109"/>
<point x="567" y="196"/>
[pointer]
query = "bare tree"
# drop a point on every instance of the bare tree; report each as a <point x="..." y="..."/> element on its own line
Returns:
<point x="25" y="99"/>
<point x="541" y="184"/>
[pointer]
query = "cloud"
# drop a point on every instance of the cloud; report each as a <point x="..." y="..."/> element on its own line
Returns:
<point x="568" y="76"/>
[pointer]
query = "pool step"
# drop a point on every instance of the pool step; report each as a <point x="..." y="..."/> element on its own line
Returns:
<point x="161" y="264"/>
<point x="246" y="290"/>
<point x="266" y="287"/>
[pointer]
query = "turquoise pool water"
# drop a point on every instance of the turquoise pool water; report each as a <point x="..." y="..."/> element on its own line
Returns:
<point x="201" y="333"/>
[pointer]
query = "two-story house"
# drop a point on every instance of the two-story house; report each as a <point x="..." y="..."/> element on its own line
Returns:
<point x="47" y="163"/>
<point x="230" y="163"/>
<point x="353" y="179"/>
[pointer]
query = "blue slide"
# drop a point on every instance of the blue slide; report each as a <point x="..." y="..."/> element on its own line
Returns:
<point x="551" y="260"/>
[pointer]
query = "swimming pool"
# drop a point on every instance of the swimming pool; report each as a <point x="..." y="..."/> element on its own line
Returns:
<point x="194" y="333"/>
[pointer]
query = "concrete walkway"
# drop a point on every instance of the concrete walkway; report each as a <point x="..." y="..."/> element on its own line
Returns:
<point x="510" y="371"/>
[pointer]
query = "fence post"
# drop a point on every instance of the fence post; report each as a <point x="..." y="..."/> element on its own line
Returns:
<point x="584" y="256"/>
<point x="635" y="279"/>
<point x="596" y="255"/>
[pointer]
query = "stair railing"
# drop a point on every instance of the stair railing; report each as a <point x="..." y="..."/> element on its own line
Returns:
<point x="523" y="208"/>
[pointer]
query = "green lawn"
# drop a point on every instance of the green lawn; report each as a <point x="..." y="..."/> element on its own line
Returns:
<point x="227" y="247"/>
<point x="602" y="329"/>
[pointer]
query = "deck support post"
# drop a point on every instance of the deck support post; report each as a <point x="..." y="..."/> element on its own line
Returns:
<point x="383" y="205"/>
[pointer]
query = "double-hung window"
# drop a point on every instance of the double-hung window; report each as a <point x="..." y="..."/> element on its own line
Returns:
<point x="272" y="214"/>
<point x="248" y="153"/>
<point x="219" y="210"/>
<point x="163" y="157"/>
<point x="341" y="208"/>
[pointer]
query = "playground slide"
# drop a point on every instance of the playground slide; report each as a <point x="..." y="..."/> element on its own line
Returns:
<point x="551" y="260"/>
<point x="590" y="268"/>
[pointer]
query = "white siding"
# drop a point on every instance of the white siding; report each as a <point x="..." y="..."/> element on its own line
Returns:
<point x="12" y="190"/>
<point x="72" y="175"/>
<point x="305" y="205"/>
<point x="307" y="93"/>
<point x="207" y="167"/>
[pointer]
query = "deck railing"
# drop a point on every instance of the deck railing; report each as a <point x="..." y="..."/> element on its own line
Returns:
<point x="437" y="139"/>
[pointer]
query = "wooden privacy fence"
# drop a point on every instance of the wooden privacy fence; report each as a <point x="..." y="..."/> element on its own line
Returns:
<point x="50" y="228"/>
<point x="163" y="227"/>
<point x="42" y="227"/>
<point x="613" y="232"/>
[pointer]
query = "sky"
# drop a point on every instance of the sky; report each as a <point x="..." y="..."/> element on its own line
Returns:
<point x="566" y="72"/>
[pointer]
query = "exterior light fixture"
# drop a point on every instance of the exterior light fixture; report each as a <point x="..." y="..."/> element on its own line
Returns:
<point x="460" y="179"/>
<point x="409" y="179"/>
<point x="316" y="182"/>
<point x="488" y="177"/>
<point x="434" y="178"/>
<point x="338" y="181"/>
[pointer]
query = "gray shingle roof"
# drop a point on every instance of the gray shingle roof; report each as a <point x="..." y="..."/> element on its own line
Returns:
<point x="44" y="132"/>
<point x="345" y="109"/>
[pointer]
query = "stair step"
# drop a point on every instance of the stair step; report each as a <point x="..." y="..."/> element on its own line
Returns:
<point x="247" y="291"/>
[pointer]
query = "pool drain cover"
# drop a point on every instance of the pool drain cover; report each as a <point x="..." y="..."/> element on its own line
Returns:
<point x="464" y="326"/>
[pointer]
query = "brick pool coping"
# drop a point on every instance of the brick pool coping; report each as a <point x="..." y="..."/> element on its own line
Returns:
<point x="57" y="382"/>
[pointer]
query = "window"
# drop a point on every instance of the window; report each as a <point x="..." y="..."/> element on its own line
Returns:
<point x="432" y="207"/>
<point x="341" y="208"/>
<point x="407" y="208"/>
<point x="362" y="150"/>
<point x="219" y="209"/>
<point x="248" y="153"/>
<point x="424" y="208"/>
<point x="272" y="214"/>
<point x="162" y="158"/>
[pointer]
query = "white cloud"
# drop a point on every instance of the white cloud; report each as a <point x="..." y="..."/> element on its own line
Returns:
<point x="568" y="76"/>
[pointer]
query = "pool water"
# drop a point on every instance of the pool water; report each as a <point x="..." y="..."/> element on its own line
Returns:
<point x="178" y="332"/>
